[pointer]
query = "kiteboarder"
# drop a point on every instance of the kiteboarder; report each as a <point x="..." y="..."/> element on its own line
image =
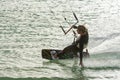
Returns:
<point x="80" y="44"/>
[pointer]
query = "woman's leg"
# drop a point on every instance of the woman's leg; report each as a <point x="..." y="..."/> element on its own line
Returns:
<point x="68" y="49"/>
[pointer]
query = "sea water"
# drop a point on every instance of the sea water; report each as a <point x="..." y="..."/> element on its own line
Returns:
<point x="28" y="26"/>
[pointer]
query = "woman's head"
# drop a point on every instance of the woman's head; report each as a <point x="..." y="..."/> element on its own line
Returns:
<point x="81" y="29"/>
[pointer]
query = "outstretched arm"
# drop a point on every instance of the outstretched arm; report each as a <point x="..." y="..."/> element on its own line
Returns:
<point x="81" y="55"/>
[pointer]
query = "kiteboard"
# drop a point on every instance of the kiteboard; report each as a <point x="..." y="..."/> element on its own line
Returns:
<point x="51" y="54"/>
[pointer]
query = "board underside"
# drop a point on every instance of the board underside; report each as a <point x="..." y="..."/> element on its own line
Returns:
<point x="48" y="54"/>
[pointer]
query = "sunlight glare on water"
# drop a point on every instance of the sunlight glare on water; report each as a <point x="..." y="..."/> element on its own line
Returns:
<point x="28" y="26"/>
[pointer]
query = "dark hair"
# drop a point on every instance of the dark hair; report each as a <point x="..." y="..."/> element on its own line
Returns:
<point x="82" y="28"/>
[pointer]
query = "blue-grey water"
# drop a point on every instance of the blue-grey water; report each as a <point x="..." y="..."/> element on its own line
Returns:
<point x="27" y="26"/>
